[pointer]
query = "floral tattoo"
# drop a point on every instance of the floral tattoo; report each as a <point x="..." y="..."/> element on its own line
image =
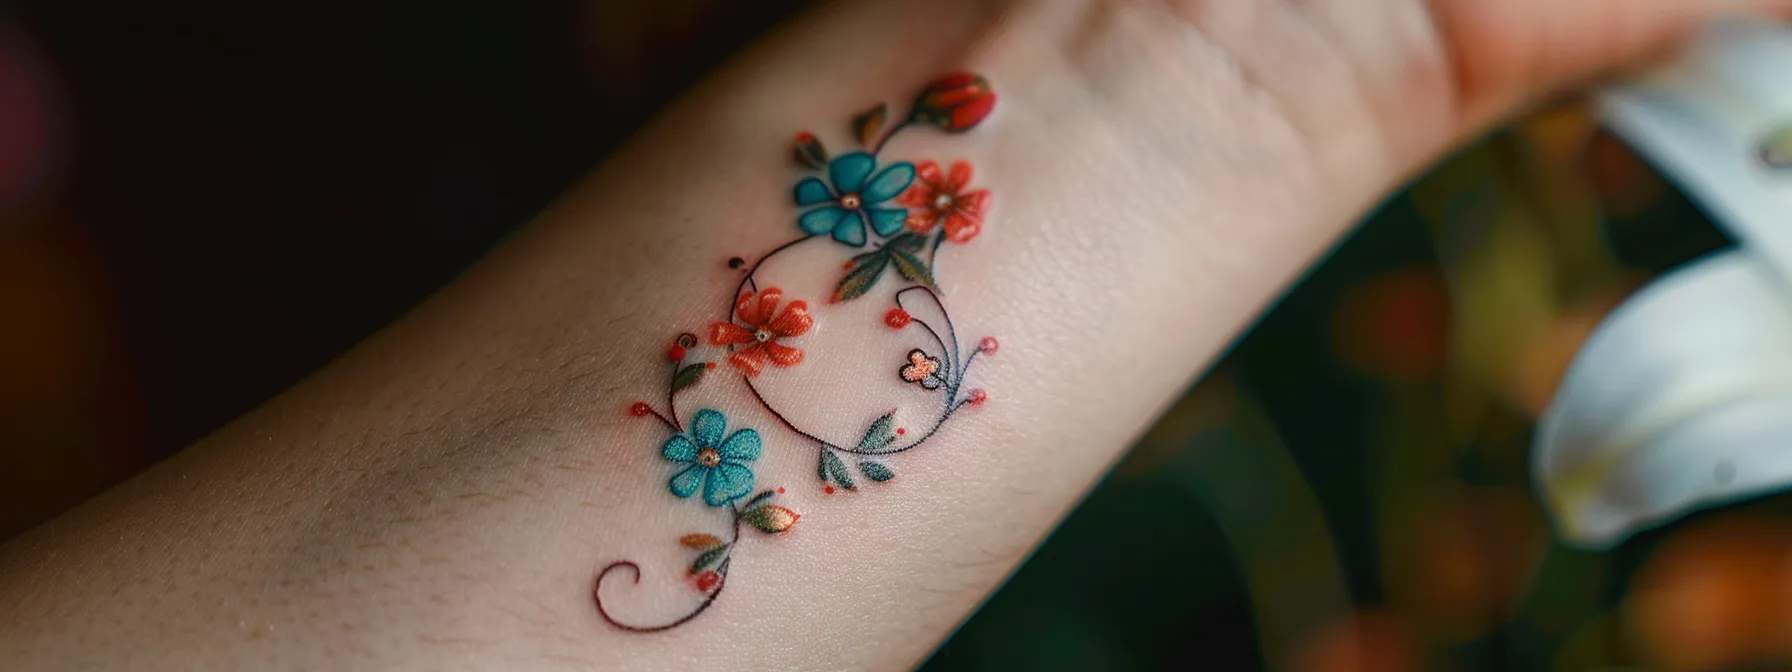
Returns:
<point x="888" y="219"/>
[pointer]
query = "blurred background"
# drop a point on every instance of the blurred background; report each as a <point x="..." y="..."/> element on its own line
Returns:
<point x="201" y="201"/>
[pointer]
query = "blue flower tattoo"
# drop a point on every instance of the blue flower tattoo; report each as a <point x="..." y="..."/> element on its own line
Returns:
<point x="851" y="202"/>
<point x="717" y="466"/>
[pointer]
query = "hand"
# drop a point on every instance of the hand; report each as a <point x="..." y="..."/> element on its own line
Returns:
<point x="1484" y="59"/>
<point x="1374" y="89"/>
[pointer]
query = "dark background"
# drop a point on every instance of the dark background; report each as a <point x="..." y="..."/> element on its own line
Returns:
<point x="203" y="201"/>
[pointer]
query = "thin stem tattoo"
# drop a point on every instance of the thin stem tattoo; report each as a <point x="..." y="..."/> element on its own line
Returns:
<point x="893" y="218"/>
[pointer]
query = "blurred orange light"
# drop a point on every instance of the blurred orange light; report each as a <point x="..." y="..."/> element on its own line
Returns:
<point x="1714" y="595"/>
<point x="1366" y="641"/>
<point x="1395" y="325"/>
<point x="1465" y="557"/>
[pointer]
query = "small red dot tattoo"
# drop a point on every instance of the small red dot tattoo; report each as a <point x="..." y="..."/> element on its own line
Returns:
<point x="707" y="581"/>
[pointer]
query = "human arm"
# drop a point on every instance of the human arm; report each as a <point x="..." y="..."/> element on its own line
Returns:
<point x="448" y="492"/>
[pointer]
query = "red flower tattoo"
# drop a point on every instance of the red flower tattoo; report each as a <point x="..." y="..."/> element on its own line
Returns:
<point x="937" y="199"/>
<point x="764" y="325"/>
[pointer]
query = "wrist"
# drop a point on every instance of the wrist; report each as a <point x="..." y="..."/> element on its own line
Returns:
<point x="463" y="479"/>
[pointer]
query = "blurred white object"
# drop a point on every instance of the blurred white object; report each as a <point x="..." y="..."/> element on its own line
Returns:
<point x="1682" y="399"/>
<point x="1705" y="120"/>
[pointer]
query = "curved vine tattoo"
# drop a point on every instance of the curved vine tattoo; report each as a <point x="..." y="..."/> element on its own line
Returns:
<point x="891" y="219"/>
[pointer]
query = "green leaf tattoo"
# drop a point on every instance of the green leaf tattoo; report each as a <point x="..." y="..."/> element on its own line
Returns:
<point x="876" y="471"/>
<point x="688" y="376"/>
<point x="770" y="518"/>
<point x="880" y="435"/>
<point x="866" y="269"/>
<point x="833" y="470"/>
<point x="867" y="124"/>
<point x="911" y="268"/>
<point x="709" y="558"/>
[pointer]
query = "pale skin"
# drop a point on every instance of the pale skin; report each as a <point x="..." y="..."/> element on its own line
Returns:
<point x="441" y="497"/>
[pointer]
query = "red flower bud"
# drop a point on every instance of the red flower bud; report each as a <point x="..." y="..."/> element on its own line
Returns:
<point x="809" y="152"/>
<point x="954" y="103"/>
<point x="676" y="353"/>
<point x="640" y="409"/>
<point x="978" y="396"/>
<point x="898" y="318"/>
<point x="988" y="345"/>
<point x="707" y="580"/>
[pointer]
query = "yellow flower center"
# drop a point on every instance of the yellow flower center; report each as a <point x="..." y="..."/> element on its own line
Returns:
<point x="850" y="202"/>
<point x="708" y="457"/>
